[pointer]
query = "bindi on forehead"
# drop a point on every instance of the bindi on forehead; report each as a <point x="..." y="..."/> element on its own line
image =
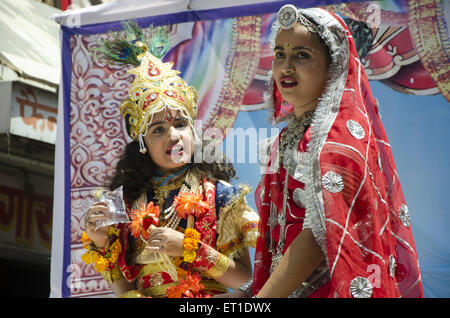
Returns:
<point x="295" y="42"/>
<point x="298" y="33"/>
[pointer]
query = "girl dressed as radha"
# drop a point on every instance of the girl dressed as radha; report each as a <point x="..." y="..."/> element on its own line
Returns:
<point x="189" y="228"/>
<point x="333" y="218"/>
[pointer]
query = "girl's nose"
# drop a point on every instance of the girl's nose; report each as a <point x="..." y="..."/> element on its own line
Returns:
<point x="288" y="68"/>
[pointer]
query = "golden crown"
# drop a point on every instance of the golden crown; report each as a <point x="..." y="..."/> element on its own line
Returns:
<point x="155" y="87"/>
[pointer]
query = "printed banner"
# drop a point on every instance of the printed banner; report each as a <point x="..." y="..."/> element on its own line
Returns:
<point x="227" y="59"/>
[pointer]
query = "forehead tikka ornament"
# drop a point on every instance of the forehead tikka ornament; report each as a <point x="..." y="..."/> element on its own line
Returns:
<point x="288" y="16"/>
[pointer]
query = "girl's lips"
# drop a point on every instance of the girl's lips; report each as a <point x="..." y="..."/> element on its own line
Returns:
<point x="288" y="82"/>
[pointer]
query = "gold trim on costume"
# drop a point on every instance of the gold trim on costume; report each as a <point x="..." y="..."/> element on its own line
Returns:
<point x="234" y="226"/>
<point x="132" y="294"/>
<point x="150" y="269"/>
<point x="112" y="275"/>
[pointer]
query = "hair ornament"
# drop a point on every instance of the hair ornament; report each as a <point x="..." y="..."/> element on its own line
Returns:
<point x="287" y="16"/>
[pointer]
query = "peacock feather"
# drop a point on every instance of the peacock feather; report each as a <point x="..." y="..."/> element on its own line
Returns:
<point x="126" y="46"/>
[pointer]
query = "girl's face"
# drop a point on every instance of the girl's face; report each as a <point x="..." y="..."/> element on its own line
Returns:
<point x="300" y="67"/>
<point x="169" y="140"/>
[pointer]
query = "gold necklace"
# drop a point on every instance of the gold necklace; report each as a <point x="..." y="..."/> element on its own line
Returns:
<point x="161" y="192"/>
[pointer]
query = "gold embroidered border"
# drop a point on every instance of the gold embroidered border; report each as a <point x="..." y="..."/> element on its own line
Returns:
<point x="426" y="29"/>
<point x="149" y="269"/>
<point x="240" y="68"/>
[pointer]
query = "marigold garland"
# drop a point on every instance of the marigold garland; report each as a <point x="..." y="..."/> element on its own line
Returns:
<point x="102" y="260"/>
<point x="190" y="244"/>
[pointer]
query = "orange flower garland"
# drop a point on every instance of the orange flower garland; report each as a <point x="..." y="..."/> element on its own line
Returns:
<point x="187" y="203"/>
<point x="142" y="218"/>
<point x="190" y="287"/>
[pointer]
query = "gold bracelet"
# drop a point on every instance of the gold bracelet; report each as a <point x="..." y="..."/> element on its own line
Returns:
<point x="219" y="268"/>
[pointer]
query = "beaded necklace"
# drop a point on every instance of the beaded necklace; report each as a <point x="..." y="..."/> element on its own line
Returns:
<point x="289" y="140"/>
<point x="293" y="133"/>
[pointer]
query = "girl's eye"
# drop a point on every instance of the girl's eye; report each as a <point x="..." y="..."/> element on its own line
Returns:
<point x="302" y="55"/>
<point x="279" y="55"/>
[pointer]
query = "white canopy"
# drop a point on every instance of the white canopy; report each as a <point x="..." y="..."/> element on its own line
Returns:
<point x="127" y="9"/>
<point x="30" y="40"/>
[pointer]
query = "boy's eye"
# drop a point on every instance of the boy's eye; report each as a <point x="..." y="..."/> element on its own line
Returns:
<point x="181" y="124"/>
<point x="158" y="130"/>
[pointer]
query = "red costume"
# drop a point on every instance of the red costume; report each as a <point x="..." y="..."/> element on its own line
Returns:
<point x="342" y="184"/>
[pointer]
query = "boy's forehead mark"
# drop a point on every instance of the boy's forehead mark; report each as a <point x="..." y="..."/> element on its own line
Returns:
<point x="165" y="116"/>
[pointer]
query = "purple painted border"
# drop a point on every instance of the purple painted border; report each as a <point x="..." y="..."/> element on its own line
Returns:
<point x="67" y="75"/>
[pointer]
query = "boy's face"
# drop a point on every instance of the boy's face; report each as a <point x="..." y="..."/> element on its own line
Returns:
<point x="169" y="140"/>
<point x="300" y="67"/>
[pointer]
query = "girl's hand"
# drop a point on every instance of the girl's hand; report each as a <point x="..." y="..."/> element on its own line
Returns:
<point x="98" y="211"/>
<point x="165" y="240"/>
